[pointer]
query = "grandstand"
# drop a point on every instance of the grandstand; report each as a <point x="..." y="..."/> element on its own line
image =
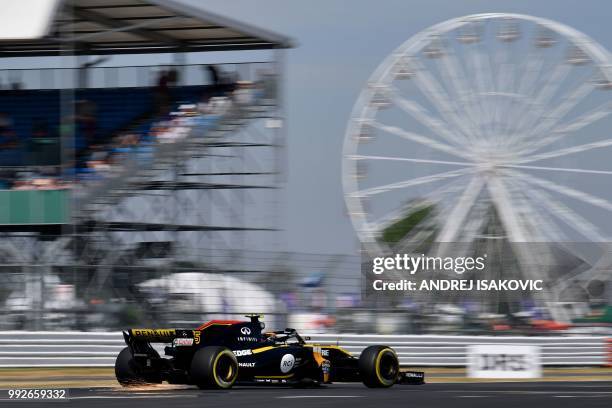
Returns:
<point x="100" y="166"/>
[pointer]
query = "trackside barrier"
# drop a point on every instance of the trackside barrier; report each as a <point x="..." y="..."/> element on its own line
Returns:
<point x="440" y="350"/>
<point x="98" y="349"/>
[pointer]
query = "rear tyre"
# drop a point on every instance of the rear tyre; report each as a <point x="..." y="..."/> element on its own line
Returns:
<point x="378" y="367"/>
<point x="214" y="367"/>
<point x="127" y="372"/>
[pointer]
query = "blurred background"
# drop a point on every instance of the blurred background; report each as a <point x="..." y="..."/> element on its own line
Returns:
<point x="150" y="175"/>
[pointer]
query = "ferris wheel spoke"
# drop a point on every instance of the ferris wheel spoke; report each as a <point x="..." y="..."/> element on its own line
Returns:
<point x="439" y="99"/>
<point x="411" y="183"/>
<point x="533" y="71"/>
<point x="500" y="79"/>
<point x="557" y="169"/>
<point x="411" y="242"/>
<point x="567" y="151"/>
<point x="545" y="227"/>
<point x="481" y="74"/>
<point x="601" y="112"/>
<point x="530" y="73"/>
<point x="421" y="115"/>
<point x="569" y="102"/>
<point x="563" y="130"/>
<point x="549" y="89"/>
<point x="516" y="227"/>
<point x="564" y="190"/>
<point x="434" y="197"/>
<point x="423" y="140"/>
<point x="565" y="214"/>
<point x="474" y="225"/>
<point x="507" y="211"/>
<point x="505" y="84"/>
<point x="407" y="159"/>
<point x="487" y="66"/>
<point x="542" y="100"/>
<point x="425" y="230"/>
<point x="541" y="225"/>
<point x="454" y="73"/>
<point x="459" y="213"/>
<point x="489" y="63"/>
<point x="385" y="221"/>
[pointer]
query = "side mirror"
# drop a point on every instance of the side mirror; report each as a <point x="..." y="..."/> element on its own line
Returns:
<point x="307" y="338"/>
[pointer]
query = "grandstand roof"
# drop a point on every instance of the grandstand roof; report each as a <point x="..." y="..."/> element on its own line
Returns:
<point x="97" y="27"/>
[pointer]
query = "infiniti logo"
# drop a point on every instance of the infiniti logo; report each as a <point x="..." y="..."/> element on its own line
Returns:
<point x="245" y="330"/>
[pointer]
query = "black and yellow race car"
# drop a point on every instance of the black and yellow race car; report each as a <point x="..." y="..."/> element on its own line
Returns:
<point x="221" y="353"/>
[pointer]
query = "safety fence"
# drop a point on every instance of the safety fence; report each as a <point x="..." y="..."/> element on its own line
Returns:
<point x="97" y="349"/>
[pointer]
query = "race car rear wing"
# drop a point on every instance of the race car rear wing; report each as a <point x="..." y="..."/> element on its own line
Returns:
<point x="139" y="340"/>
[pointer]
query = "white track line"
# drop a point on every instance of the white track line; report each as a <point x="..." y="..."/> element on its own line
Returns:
<point x="319" y="396"/>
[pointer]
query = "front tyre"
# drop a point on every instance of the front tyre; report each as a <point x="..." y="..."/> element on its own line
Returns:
<point x="214" y="367"/>
<point x="378" y="367"/>
<point x="127" y="372"/>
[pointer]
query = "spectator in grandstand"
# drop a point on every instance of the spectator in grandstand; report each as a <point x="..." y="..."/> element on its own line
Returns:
<point x="131" y="139"/>
<point x="21" y="185"/>
<point x="170" y="131"/>
<point x="8" y="138"/>
<point x="217" y="105"/>
<point x="6" y="123"/>
<point x="40" y="128"/>
<point x="126" y="142"/>
<point x="7" y="178"/>
<point x="86" y="121"/>
<point x="173" y="77"/>
<point x="243" y="94"/>
<point x="38" y="143"/>
<point x="45" y="183"/>
<point x="99" y="162"/>
<point x="213" y="73"/>
<point x="162" y="93"/>
<point x="42" y="178"/>
<point x="162" y="79"/>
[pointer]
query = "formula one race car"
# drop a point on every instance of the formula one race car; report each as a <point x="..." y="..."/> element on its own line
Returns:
<point x="220" y="353"/>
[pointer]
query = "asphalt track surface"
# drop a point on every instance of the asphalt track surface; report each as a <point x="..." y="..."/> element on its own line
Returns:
<point x="455" y="395"/>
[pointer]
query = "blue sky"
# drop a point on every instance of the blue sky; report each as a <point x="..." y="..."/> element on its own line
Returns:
<point x="339" y="44"/>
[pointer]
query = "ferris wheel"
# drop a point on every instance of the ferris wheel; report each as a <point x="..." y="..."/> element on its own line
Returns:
<point x="492" y="97"/>
<point x="484" y="126"/>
